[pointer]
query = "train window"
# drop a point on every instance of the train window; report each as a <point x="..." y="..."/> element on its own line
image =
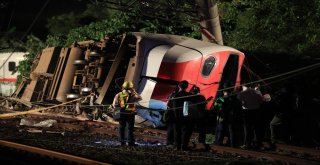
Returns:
<point x="12" y="66"/>
<point x="208" y="66"/>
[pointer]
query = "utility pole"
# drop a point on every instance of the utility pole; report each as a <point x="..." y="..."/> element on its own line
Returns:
<point x="209" y="20"/>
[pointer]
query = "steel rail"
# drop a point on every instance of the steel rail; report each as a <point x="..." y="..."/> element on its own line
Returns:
<point x="262" y="155"/>
<point x="301" y="150"/>
<point x="49" y="153"/>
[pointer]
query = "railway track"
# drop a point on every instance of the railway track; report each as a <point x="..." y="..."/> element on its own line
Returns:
<point x="39" y="152"/>
<point x="285" y="153"/>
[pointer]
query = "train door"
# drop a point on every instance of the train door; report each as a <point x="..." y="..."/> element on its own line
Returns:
<point x="230" y="72"/>
<point x="215" y="71"/>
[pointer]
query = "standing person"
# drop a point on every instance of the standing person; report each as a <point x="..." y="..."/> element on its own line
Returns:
<point x="250" y="100"/>
<point x="286" y="102"/>
<point x="265" y="116"/>
<point x="126" y="101"/>
<point x="180" y="127"/>
<point x="200" y="116"/>
<point x="226" y="107"/>
<point x="169" y="118"/>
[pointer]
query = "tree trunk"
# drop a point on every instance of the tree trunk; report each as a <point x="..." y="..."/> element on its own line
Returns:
<point x="209" y="20"/>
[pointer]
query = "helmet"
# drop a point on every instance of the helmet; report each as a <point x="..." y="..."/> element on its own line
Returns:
<point x="183" y="84"/>
<point x="127" y="85"/>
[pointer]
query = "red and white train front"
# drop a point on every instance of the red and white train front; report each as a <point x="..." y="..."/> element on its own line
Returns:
<point x="165" y="60"/>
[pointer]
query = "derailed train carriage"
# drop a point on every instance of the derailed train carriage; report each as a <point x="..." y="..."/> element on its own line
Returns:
<point x="8" y="74"/>
<point x="154" y="62"/>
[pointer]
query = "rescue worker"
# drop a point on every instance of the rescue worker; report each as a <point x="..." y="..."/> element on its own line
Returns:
<point x="169" y="117"/>
<point x="180" y="130"/>
<point x="265" y="116"/>
<point x="226" y="107"/>
<point x="126" y="101"/>
<point x="286" y="102"/>
<point x="251" y="100"/>
<point x="200" y="116"/>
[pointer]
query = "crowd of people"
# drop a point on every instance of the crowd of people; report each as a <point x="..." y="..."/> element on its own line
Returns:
<point x="249" y="107"/>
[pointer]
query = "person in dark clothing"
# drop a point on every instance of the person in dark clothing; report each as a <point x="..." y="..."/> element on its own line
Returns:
<point x="286" y="102"/>
<point x="169" y="118"/>
<point x="180" y="125"/>
<point x="251" y="100"/>
<point x="226" y="107"/>
<point x="265" y="116"/>
<point x="199" y="116"/>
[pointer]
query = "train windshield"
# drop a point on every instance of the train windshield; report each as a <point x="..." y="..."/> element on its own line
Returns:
<point x="208" y="65"/>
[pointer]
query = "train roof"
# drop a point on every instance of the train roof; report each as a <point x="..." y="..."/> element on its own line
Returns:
<point x="203" y="47"/>
<point x="12" y="55"/>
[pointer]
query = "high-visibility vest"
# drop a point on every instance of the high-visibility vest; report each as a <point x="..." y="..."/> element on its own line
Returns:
<point x="123" y="99"/>
<point x="218" y="102"/>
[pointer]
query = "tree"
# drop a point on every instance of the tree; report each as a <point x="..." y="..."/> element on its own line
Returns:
<point x="33" y="46"/>
<point x="8" y="42"/>
<point x="271" y="26"/>
<point x="62" y="24"/>
<point x="142" y="16"/>
<point x="69" y="28"/>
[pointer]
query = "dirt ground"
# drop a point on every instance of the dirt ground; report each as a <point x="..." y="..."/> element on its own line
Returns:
<point x="107" y="149"/>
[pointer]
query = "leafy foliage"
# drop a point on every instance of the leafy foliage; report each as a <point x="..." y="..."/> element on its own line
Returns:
<point x="33" y="46"/>
<point x="120" y="22"/>
<point x="271" y="26"/>
<point x="8" y="42"/>
<point x="98" y="30"/>
<point x="62" y="24"/>
<point x="69" y="28"/>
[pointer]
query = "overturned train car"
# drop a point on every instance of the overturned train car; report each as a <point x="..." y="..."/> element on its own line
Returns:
<point x="154" y="62"/>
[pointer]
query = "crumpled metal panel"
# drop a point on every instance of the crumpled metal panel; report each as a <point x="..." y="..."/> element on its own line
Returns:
<point x="44" y="67"/>
<point x="68" y="73"/>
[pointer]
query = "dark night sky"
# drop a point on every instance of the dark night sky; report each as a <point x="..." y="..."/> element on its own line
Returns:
<point x="21" y="13"/>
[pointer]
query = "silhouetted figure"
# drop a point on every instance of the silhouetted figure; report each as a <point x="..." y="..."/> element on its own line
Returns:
<point x="198" y="116"/>
<point x="250" y="100"/>
<point x="226" y="107"/>
<point x="169" y="118"/>
<point x="180" y="125"/>
<point x="265" y="116"/>
<point x="281" y="126"/>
